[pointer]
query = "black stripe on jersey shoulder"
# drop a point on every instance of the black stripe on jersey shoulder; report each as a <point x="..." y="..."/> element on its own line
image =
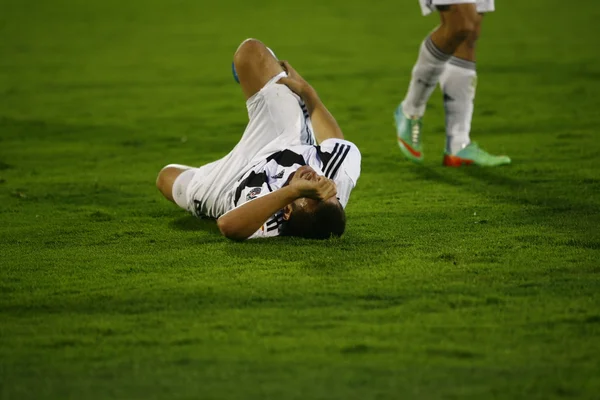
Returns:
<point x="274" y="222"/>
<point x="253" y="180"/>
<point x="274" y="226"/>
<point x="339" y="164"/>
<point x="334" y="161"/>
<point x="287" y="158"/>
<point x="326" y="157"/>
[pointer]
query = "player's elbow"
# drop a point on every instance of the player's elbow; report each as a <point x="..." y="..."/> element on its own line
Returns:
<point x="230" y="230"/>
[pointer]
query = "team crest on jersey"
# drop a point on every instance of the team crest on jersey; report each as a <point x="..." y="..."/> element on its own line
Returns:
<point x="279" y="175"/>
<point x="253" y="193"/>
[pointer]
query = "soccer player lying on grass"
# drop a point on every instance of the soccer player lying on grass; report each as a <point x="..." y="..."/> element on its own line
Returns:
<point x="277" y="180"/>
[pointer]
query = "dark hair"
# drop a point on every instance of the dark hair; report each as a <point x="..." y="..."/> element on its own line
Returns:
<point x="327" y="220"/>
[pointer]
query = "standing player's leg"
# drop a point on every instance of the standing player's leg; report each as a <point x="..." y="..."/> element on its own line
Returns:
<point x="459" y="83"/>
<point x="458" y="22"/>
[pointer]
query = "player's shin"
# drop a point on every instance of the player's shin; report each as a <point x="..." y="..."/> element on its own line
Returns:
<point x="458" y="83"/>
<point x="425" y="77"/>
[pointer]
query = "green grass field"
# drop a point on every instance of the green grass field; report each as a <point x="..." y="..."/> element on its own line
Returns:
<point x="448" y="284"/>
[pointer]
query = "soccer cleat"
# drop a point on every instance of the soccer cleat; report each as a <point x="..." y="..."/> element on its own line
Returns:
<point x="474" y="155"/>
<point x="408" y="130"/>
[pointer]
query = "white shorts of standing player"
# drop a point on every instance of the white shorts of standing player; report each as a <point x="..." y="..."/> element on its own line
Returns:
<point x="483" y="6"/>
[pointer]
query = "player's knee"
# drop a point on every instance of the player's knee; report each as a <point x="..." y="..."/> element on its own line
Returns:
<point x="165" y="179"/>
<point x="463" y="24"/>
<point x="472" y="38"/>
<point x="161" y="179"/>
<point x="463" y="30"/>
<point x="248" y="52"/>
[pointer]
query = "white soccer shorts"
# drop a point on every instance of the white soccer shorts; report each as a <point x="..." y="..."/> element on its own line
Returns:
<point x="278" y="120"/>
<point x="483" y="6"/>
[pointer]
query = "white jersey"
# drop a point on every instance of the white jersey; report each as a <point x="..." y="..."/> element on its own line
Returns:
<point x="483" y="6"/>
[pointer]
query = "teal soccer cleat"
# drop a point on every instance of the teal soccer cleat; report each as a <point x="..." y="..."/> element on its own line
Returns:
<point x="408" y="130"/>
<point x="474" y="155"/>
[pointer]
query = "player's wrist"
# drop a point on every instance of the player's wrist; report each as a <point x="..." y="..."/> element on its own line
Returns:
<point x="307" y="92"/>
<point x="292" y="192"/>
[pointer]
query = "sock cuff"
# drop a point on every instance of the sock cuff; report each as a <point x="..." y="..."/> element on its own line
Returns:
<point x="459" y="62"/>
<point x="433" y="49"/>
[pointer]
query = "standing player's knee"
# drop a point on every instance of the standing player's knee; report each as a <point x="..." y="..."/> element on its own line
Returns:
<point x="463" y="23"/>
<point x="473" y="37"/>
<point x="463" y="30"/>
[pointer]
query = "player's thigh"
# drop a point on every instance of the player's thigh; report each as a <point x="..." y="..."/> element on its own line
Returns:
<point x="459" y="22"/>
<point x="276" y="119"/>
<point x="461" y="18"/>
<point x="255" y="66"/>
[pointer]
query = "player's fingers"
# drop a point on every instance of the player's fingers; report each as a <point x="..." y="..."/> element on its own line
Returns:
<point x="331" y="191"/>
<point x="332" y="188"/>
<point x="284" y="81"/>
<point x="290" y="83"/>
<point x="322" y="182"/>
<point x="288" y="68"/>
<point x="285" y="65"/>
<point x="327" y="189"/>
<point x="319" y="183"/>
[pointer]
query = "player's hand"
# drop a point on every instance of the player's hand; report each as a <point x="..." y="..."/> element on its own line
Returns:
<point x="320" y="188"/>
<point x="294" y="81"/>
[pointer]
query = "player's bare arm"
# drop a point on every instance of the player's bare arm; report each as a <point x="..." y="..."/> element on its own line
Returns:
<point x="240" y="223"/>
<point x="324" y="124"/>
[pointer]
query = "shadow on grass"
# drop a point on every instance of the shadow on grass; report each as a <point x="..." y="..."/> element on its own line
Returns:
<point x="547" y="194"/>
<point x="529" y="193"/>
<point x="325" y="256"/>
<point x="191" y="223"/>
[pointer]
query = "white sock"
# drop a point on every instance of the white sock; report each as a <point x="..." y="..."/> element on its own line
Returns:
<point x="458" y="82"/>
<point x="425" y="77"/>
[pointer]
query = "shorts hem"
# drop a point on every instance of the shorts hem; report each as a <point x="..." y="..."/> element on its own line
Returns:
<point x="272" y="81"/>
